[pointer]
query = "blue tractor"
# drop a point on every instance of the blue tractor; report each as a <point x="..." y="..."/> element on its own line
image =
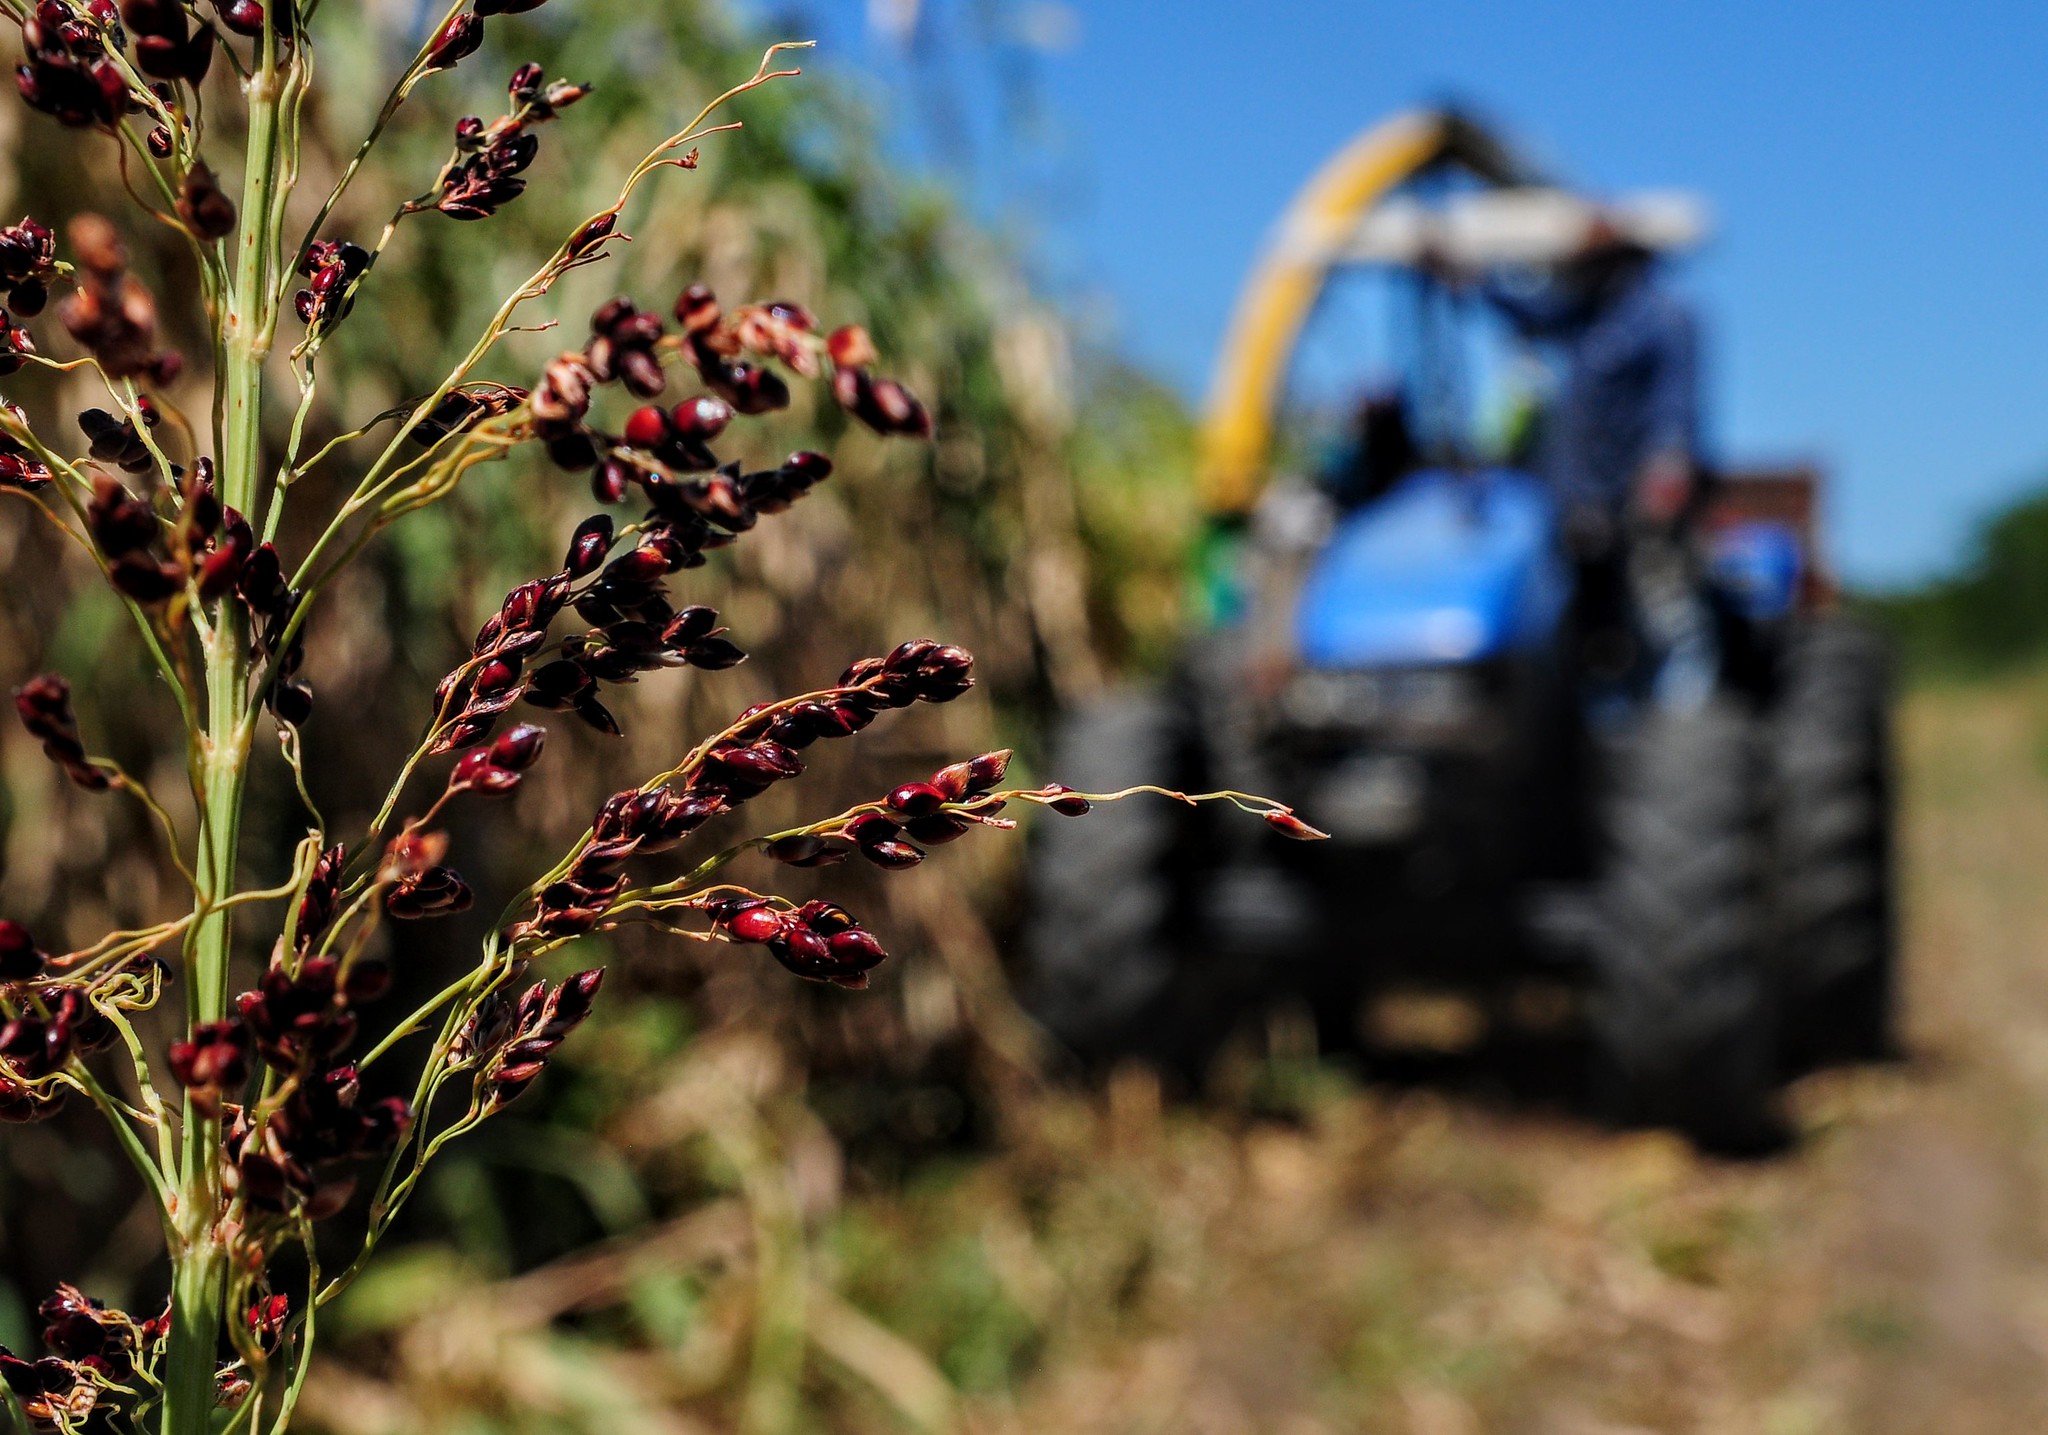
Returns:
<point x="1420" y="670"/>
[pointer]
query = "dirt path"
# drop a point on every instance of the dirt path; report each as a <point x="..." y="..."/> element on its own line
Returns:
<point x="1423" y="1263"/>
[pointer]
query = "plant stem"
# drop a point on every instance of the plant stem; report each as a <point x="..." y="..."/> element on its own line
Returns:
<point x="198" y="1297"/>
<point x="199" y="1256"/>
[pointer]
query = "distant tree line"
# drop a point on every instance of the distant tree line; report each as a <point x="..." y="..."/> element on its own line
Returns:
<point x="1990" y="615"/>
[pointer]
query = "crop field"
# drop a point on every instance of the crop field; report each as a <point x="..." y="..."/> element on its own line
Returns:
<point x="1453" y="1254"/>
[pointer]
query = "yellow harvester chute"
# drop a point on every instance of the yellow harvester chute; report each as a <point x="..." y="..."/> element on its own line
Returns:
<point x="1252" y="369"/>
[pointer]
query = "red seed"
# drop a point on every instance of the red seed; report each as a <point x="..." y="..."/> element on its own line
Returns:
<point x="697" y="309"/>
<point x="522" y="605"/>
<point x="829" y="855"/>
<point x="497" y="782"/>
<point x="457" y="39"/>
<point x="988" y="770"/>
<point x="938" y="828"/>
<point x="810" y="467"/>
<point x="593" y="233"/>
<point x="648" y="427"/>
<point x="19" y="958"/>
<point x="495" y="677"/>
<point x="893" y="855"/>
<point x="587" y="549"/>
<point x="871" y="827"/>
<point x="757" y="924"/>
<point x="917" y="799"/>
<point x="806" y="945"/>
<point x="609" y="481"/>
<point x="906" y="655"/>
<point x="701" y="418"/>
<point x="518" y="749"/>
<point x="690" y="625"/>
<point x="638" y="568"/>
<point x="713" y="654"/>
<point x="244" y="17"/>
<point x="573" y="997"/>
<point x="1288" y="825"/>
<point x="851" y="348"/>
<point x="1067" y="806"/>
<point x="799" y="849"/>
<point x="856" y="948"/>
<point x="951" y="781"/>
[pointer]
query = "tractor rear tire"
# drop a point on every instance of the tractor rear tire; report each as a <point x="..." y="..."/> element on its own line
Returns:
<point x="1109" y="963"/>
<point x="1832" y="845"/>
<point x="1682" y="1010"/>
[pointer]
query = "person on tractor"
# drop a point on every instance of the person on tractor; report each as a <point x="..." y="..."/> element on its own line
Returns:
<point x="1621" y="446"/>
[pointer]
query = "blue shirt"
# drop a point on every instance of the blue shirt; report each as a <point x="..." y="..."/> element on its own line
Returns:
<point x="1631" y="383"/>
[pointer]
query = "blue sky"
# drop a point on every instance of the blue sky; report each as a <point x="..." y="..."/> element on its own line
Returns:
<point x="1877" y="294"/>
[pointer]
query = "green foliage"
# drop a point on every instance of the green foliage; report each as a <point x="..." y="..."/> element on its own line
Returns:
<point x="935" y="1284"/>
<point x="1134" y="464"/>
<point x="1990" y="617"/>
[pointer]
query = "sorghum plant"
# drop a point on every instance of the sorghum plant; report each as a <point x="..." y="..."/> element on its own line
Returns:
<point x="252" y="1126"/>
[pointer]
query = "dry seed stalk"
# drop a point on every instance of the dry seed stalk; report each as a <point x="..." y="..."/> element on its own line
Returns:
<point x="272" y="1134"/>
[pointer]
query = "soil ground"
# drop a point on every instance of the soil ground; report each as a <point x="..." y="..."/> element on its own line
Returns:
<point x="1456" y="1256"/>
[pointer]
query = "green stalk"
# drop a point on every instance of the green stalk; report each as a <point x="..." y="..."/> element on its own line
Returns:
<point x="199" y="1256"/>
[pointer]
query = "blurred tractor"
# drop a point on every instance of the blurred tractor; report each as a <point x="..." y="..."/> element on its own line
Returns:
<point x="1421" y="666"/>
